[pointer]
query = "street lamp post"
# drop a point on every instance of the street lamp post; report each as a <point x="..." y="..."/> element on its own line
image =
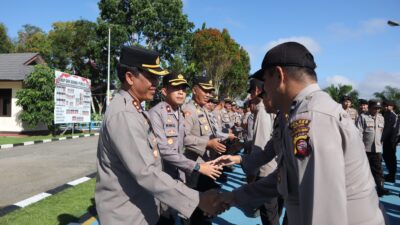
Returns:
<point x="108" y="67"/>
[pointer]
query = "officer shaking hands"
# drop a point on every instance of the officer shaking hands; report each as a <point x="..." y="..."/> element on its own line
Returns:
<point x="130" y="182"/>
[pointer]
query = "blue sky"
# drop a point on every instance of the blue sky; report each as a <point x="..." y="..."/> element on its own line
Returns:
<point x="350" y="40"/>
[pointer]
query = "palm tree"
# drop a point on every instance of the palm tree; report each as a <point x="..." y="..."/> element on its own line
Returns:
<point x="337" y="92"/>
<point x="391" y="94"/>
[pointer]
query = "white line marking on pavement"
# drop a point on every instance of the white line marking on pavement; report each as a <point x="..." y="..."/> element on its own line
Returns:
<point x="74" y="137"/>
<point x="32" y="199"/>
<point x="86" y="135"/>
<point x="78" y="181"/>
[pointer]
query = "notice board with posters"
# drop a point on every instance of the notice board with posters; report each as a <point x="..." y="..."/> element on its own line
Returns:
<point x="72" y="98"/>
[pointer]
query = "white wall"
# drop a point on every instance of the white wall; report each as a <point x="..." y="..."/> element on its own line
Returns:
<point x="13" y="124"/>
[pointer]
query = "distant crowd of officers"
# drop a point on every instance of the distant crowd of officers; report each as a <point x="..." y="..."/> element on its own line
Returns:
<point x="161" y="165"/>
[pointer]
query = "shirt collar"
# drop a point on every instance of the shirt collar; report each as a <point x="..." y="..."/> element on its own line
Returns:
<point x="303" y="94"/>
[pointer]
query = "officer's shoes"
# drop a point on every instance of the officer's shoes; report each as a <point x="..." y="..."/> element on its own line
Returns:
<point x="390" y="178"/>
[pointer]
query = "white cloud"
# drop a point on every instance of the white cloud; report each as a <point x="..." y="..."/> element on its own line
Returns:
<point x="376" y="82"/>
<point x="229" y="22"/>
<point x="310" y="43"/>
<point x="339" y="79"/>
<point x="364" y="28"/>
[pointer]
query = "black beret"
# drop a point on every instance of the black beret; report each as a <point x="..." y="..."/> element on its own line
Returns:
<point x="287" y="54"/>
<point x="204" y="82"/>
<point x="132" y="56"/>
<point x="174" y="79"/>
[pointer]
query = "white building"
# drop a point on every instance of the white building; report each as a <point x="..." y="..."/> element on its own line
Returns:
<point x="14" y="68"/>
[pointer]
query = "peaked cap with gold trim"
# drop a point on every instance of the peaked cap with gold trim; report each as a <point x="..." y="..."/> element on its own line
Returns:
<point x="132" y="56"/>
<point x="204" y="82"/>
<point x="174" y="79"/>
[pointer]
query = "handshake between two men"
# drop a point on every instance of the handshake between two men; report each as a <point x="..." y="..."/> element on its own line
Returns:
<point x="213" y="202"/>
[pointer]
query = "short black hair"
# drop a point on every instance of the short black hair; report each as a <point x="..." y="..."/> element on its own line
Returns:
<point x="122" y="69"/>
<point x="296" y="72"/>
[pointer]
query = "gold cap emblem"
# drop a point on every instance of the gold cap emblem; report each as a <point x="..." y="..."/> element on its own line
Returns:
<point x="180" y="76"/>
<point x="158" y="61"/>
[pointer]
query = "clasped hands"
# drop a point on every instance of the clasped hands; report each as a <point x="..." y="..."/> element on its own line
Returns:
<point x="213" y="202"/>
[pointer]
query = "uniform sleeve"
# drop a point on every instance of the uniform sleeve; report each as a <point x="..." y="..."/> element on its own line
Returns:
<point x="252" y="162"/>
<point x="168" y="152"/>
<point x="319" y="154"/>
<point x="360" y="125"/>
<point x="129" y="139"/>
<point x="251" y="196"/>
<point x="193" y="143"/>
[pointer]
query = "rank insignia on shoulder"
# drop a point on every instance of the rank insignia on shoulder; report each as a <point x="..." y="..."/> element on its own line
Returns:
<point x="206" y="127"/>
<point x="168" y="108"/>
<point x="300" y="129"/>
<point x="170" y="141"/>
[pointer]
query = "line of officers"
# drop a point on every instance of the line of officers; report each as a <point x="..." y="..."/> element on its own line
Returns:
<point x="379" y="128"/>
<point x="302" y="151"/>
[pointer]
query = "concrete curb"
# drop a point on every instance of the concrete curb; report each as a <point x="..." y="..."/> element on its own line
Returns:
<point x="43" y="195"/>
<point x="46" y="140"/>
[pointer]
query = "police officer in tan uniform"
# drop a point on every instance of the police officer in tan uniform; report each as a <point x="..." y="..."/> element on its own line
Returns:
<point x="323" y="173"/>
<point x="130" y="182"/>
<point x="200" y="140"/>
<point x="371" y="127"/>
<point x="346" y="104"/>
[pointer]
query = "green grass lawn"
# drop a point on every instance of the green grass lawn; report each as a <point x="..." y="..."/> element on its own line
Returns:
<point x="63" y="208"/>
<point x="14" y="140"/>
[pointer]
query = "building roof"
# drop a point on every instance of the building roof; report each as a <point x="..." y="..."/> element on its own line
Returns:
<point x="16" y="66"/>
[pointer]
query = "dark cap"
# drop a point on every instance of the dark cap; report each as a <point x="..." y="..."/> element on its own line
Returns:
<point x="388" y="103"/>
<point x="362" y="101"/>
<point x="228" y="100"/>
<point x="174" y="79"/>
<point x="374" y="104"/>
<point x="132" y="56"/>
<point x="204" y="82"/>
<point x="254" y="83"/>
<point x="287" y="54"/>
<point x="345" y="98"/>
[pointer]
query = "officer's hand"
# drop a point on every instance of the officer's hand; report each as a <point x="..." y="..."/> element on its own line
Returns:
<point x="231" y="136"/>
<point x="211" y="170"/>
<point x="216" y="145"/>
<point x="227" y="160"/>
<point x="206" y="203"/>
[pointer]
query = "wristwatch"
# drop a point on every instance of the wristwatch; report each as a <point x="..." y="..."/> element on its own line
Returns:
<point x="196" y="167"/>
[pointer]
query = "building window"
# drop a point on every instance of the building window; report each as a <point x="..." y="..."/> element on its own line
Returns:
<point x="5" y="102"/>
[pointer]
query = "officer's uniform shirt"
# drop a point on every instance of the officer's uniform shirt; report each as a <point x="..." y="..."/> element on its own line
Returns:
<point x="169" y="127"/>
<point x="353" y="113"/>
<point x="323" y="172"/>
<point x="371" y="129"/>
<point x="227" y="119"/>
<point x="217" y="130"/>
<point x="250" y="127"/>
<point x="263" y="128"/>
<point x="198" y="132"/>
<point x="218" y="117"/>
<point x="130" y="181"/>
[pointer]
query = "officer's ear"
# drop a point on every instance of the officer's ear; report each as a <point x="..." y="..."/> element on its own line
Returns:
<point x="194" y="90"/>
<point x="129" y="77"/>
<point x="164" y="91"/>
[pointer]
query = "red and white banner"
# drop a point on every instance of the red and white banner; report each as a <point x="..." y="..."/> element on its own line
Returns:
<point x="72" y="98"/>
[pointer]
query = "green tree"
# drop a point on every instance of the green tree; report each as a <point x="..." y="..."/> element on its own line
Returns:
<point x="33" y="39"/>
<point x="160" y="25"/>
<point x="338" y="91"/>
<point x="227" y="63"/>
<point x="37" y="98"/>
<point x="6" y="46"/>
<point x="391" y="94"/>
